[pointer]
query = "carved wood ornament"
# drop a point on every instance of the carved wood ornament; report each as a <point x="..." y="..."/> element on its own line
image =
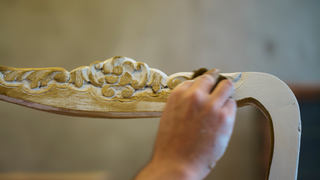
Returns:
<point x="120" y="87"/>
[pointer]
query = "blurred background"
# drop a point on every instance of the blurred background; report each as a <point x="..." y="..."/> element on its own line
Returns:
<point x="279" y="37"/>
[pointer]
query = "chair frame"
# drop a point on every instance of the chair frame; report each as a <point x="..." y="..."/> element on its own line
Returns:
<point x="123" y="88"/>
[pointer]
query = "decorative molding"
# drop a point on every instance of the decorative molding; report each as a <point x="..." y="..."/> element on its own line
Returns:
<point x="118" y="77"/>
<point x="99" y="87"/>
<point x="123" y="88"/>
<point x="102" y="89"/>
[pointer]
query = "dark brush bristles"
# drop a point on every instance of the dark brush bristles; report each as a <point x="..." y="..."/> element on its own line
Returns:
<point x="201" y="71"/>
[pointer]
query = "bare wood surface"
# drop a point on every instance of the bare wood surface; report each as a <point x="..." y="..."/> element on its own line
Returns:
<point x="275" y="99"/>
<point x="111" y="89"/>
<point x="116" y="88"/>
<point x="122" y="88"/>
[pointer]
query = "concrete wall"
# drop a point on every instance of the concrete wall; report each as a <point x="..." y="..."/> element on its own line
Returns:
<point x="280" y="37"/>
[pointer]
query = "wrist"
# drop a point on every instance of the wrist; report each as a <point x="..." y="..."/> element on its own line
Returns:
<point x="167" y="170"/>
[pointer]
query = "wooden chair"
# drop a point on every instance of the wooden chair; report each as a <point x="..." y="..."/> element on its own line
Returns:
<point x="123" y="88"/>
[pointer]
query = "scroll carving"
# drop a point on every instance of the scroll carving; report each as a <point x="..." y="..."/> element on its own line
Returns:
<point x="123" y="88"/>
<point x="33" y="80"/>
<point x="115" y="78"/>
<point x="175" y="79"/>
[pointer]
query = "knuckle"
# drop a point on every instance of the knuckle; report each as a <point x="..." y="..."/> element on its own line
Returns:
<point x="195" y="96"/>
<point x="213" y="106"/>
<point x="223" y="117"/>
<point x="211" y="110"/>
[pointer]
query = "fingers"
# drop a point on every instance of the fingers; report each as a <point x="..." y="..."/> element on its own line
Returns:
<point x="206" y="81"/>
<point x="222" y="92"/>
<point x="230" y="106"/>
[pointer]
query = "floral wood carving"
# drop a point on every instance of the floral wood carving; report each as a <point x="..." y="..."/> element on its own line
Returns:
<point x="118" y="78"/>
<point x="122" y="88"/>
<point x="102" y="89"/>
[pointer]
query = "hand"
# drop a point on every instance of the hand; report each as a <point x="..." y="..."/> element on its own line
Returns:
<point x="195" y="129"/>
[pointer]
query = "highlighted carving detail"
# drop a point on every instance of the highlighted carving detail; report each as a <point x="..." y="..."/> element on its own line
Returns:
<point x="117" y="77"/>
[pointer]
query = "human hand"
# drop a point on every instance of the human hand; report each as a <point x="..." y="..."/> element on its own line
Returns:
<point x="195" y="129"/>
